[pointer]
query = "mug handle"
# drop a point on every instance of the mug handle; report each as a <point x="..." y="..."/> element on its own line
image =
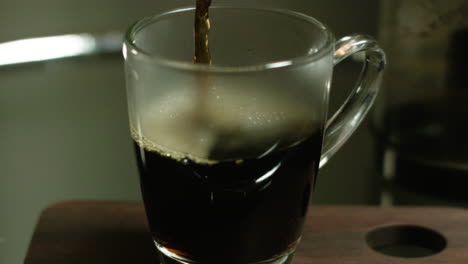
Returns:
<point x="348" y="117"/>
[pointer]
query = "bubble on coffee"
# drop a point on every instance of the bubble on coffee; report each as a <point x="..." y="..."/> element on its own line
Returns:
<point x="235" y="125"/>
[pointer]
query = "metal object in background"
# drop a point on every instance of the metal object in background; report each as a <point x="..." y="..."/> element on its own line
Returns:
<point x="56" y="47"/>
<point x="421" y="120"/>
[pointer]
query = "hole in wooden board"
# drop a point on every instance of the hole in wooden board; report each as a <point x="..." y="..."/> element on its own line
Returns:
<point x="406" y="241"/>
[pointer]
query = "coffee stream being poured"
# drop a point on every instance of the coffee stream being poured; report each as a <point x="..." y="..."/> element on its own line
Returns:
<point x="202" y="55"/>
<point x="201" y="32"/>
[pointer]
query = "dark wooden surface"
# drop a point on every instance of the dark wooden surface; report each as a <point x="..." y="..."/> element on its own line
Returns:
<point x="116" y="232"/>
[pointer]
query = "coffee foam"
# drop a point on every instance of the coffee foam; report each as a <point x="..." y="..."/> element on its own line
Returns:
<point x="168" y="125"/>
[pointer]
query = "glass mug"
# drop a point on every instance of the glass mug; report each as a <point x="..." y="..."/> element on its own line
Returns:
<point x="228" y="153"/>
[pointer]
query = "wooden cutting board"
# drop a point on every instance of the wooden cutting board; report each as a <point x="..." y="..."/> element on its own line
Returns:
<point x="116" y="232"/>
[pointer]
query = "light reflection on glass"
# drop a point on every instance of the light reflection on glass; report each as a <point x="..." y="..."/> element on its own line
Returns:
<point x="268" y="174"/>
<point x="279" y="64"/>
<point x="268" y="151"/>
<point x="124" y="51"/>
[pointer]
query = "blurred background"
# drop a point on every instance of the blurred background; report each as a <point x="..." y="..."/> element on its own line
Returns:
<point x="64" y="122"/>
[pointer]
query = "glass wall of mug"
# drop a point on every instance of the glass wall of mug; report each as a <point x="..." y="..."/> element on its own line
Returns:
<point x="228" y="152"/>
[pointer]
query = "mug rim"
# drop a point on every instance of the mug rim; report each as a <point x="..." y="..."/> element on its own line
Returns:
<point x="130" y="46"/>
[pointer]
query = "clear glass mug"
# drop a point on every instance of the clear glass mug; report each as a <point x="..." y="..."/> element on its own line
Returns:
<point x="228" y="153"/>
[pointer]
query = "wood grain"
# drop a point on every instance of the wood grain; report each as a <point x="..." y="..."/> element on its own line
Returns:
<point x="116" y="232"/>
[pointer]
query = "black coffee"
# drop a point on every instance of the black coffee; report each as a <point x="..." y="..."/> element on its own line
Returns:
<point x="228" y="211"/>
